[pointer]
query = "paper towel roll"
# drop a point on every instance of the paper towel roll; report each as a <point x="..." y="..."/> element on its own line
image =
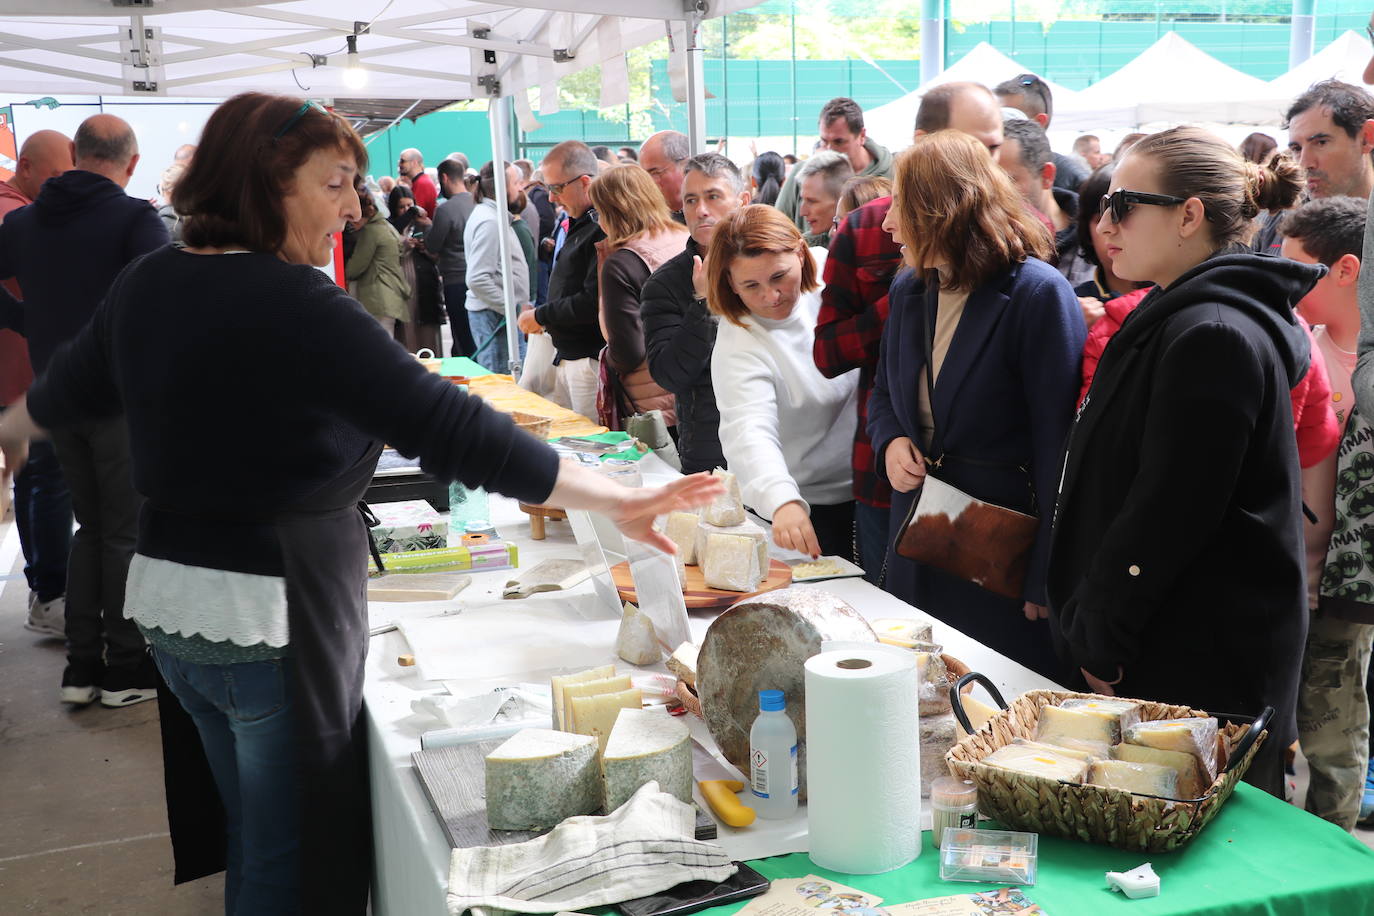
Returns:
<point x="863" y="759"/>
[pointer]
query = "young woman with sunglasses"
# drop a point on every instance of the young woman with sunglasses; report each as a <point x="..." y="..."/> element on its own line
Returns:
<point x="1176" y="563"/>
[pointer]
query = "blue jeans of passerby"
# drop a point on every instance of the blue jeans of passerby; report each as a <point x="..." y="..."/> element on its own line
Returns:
<point x="871" y="523"/>
<point x="243" y="714"/>
<point x="43" y="515"/>
<point x="487" y="324"/>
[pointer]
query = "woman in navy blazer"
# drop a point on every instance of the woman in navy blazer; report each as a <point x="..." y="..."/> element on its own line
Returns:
<point x="1007" y="355"/>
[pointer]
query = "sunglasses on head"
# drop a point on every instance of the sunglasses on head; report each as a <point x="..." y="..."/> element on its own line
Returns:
<point x="296" y="118"/>
<point x="1119" y="202"/>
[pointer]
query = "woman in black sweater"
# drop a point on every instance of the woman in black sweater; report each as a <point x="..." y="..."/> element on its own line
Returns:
<point x="251" y="560"/>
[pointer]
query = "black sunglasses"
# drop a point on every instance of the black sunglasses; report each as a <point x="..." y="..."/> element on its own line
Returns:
<point x="1120" y="202"/>
<point x="558" y="188"/>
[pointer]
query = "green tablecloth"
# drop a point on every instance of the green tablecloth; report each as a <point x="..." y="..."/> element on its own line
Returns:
<point x="614" y="438"/>
<point x="461" y="365"/>
<point x="1260" y="856"/>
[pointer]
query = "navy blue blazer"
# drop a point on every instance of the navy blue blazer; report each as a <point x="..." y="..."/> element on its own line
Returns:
<point x="1004" y="399"/>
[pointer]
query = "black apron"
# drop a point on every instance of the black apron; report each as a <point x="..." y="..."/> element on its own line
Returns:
<point x="324" y="545"/>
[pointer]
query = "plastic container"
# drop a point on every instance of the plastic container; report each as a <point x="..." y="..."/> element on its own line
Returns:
<point x="994" y="856"/>
<point x="773" y="758"/>
<point x="466" y="506"/>
<point x="953" y="804"/>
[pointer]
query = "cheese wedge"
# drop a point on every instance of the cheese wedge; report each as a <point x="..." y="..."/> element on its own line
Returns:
<point x="978" y="714"/>
<point x="1142" y="778"/>
<point x="645" y="745"/>
<point x="1069" y="728"/>
<point x="538" y="778"/>
<point x="1036" y="761"/>
<point x="681" y="529"/>
<point x="745" y="529"/>
<point x="596" y="715"/>
<point x="1196" y="736"/>
<point x="637" y="641"/>
<point x="683" y="662"/>
<point x="590" y="689"/>
<point x="1120" y="713"/>
<point x="902" y="632"/>
<point x="1191" y="782"/>
<point x="728" y="508"/>
<point x="558" y="682"/>
<point x="732" y="563"/>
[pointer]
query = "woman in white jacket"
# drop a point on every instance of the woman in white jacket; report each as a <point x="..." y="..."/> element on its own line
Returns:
<point x="786" y="429"/>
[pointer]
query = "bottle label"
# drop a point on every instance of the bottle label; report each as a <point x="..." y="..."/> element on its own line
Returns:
<point x="794" y="769"/>
<point x="758" y="772"/>
<point x="968" y="819"/>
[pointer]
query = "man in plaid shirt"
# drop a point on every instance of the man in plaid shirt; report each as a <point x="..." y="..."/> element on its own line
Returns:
<point x="859" y="270"/>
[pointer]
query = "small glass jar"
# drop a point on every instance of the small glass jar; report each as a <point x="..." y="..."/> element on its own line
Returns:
<point x="953" y="803"/>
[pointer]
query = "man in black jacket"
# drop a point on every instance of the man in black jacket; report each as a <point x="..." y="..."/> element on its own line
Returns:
<point x="85" y="214"/>
<point x="570" y="315"/>
<point x="679" y="332"/>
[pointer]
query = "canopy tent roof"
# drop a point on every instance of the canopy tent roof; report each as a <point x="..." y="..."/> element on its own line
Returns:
<point x="891" y="124"/>
<point x="371" y="115"/>
<point x="1344" y="59"/>
<point x="1172" y="81"/>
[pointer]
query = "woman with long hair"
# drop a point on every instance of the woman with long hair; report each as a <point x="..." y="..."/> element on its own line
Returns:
<point x="373" y="267"/>
<point x="1177" y="568"/>
<point x="640" y="237"/>
<point x="976" y="379"/>
<point x="766" y="176"/>
<point x="786" y="430"/>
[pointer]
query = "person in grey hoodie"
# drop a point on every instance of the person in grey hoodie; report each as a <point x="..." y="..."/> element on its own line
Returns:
<point x="444" y="241"/>
<point x="85" y="214"/>
<point x="486" y="298"/>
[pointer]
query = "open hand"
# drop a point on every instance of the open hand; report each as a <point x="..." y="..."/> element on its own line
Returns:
<point x="636" y="510"/>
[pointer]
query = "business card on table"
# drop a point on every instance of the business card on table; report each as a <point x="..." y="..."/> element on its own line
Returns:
<point x="1006" y="901"/>
<point x="812" y="896"/>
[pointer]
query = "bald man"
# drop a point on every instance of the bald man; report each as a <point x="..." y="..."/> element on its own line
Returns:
<point x="42" y="505"/>
<point x="663" y="156"/>
<point x="84" y="219"/>
<point x="185" y="153"/>
<point x="411" y="167"/>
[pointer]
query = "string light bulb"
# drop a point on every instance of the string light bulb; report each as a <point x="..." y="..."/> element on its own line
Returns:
<point x="355" y="74"/>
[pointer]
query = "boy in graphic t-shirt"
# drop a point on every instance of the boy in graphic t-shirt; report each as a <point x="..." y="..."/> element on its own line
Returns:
<point x="1333" y="712"/>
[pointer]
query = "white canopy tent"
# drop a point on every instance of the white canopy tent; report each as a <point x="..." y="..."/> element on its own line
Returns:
<point x="1172" y="81"/>
<point x="409" y="49"/>
<point x="1344" y="59"/>
<point x="891" y="124"/>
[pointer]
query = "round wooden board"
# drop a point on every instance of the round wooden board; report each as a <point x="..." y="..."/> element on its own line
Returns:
<point x="696" y="594"/>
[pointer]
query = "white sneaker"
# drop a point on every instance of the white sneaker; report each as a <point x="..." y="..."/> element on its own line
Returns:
<point x="48" y="617"/>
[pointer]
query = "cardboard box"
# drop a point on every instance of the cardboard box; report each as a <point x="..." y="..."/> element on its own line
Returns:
<point x="407" y="526"/>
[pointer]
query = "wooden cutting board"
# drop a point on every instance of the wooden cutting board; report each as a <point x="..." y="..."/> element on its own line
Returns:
<point x="697" y="595"/>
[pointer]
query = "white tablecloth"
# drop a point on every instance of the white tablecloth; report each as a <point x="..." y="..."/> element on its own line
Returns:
<point x="412" y="854"/>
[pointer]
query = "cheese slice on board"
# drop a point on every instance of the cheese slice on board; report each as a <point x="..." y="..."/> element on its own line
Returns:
<point x="558" y="682"/>
<point x="1068" y="728"/>
<point x="727" y="508"/>
<point x="1144" y="778"/>
<point x="1036" y="761"/>
<point x="538" y="778"/>
<point x="645" y="745"/>
<point x="732" y="563"/>
<point x="596" y="715"/>
<point x="1194" y="735"/>
<point x="590" y="689"/>
<point x="1191" y="782"/>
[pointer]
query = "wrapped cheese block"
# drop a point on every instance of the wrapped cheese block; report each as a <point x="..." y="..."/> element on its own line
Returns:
<point x="683" y="662"/>
<point x="731" y="562"/>
<point x="746" y="529"/>
<point x="1120" y="713"/>
<point x="636" y="641"/>
<point x="1081" y="730"/>
<point x="558" y="682"/>
<point x="1075" y="753"/>
<point x="939" y="733"/>
<point x="1036" y="761"/>
<point x="644" y="745"/>
<point x="1196" y="736"/>
<point x="932" y="684"/>
<point x="596" y="715"/>
<point x="902" y="632"/>
<point x="538" y="778"/>
<point x="1191" y="782"/>
<point x="1143" y="778"/>
<point x="728" y="508"/>
<point x="762" y="643"/>
<point x="681" y="529"/>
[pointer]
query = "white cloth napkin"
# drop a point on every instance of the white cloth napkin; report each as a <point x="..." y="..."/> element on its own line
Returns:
<point x="646" y="846"/>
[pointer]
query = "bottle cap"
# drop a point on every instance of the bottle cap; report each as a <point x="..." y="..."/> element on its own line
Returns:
<point x="771" y="701"/>
<point x="953" y="792"/>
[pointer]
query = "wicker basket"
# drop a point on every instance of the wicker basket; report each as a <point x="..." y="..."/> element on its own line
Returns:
<point x="1094" y="814"/>
<point x="535" y="425"/>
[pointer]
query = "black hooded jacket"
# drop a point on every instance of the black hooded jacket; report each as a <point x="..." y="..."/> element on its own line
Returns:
<point x="1177" y="549"/>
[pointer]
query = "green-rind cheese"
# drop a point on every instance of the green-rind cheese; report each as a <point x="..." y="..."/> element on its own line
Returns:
<point x="646" y="745"/>
<point x="539" y="777"/>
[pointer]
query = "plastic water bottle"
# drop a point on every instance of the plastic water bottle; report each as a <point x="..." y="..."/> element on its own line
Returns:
<point x="773" y="758"/>
<point x="465" y="506"/>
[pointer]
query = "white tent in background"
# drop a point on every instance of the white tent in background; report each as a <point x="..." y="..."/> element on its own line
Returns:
<point x="891" y="124"/>
<point x="1172" y="81"/>
<point x="1344" y="59"/>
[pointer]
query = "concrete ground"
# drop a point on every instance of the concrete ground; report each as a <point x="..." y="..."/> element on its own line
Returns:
<point x="83" y="827"/>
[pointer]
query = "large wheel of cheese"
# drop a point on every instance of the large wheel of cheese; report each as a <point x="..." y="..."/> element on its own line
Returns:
<point x="762" y="643"/>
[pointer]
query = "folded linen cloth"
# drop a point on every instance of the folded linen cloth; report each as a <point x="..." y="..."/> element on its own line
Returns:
<point x="645" y="846"/>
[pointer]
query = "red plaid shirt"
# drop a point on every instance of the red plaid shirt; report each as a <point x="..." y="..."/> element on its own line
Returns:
<point x="862" y="262"/>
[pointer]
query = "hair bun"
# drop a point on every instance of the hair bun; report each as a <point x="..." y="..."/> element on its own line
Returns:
<point x="1276" y="185"/>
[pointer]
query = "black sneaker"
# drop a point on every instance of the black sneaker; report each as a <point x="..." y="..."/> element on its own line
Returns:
<point x="81" y="681"/>
<point x="125" y="686"/>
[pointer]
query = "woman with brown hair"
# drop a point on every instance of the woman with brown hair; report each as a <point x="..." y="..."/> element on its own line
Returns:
<point x="977" y="378"/>
<point x="373" y="267"/>
<point x="786" y="430"/>
<point x="1177" y="570"/>
<point x="640" y="237"/>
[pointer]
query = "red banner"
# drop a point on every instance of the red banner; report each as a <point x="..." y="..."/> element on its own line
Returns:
<point x="9" y="152"/>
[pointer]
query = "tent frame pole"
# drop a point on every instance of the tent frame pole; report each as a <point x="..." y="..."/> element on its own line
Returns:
<point x="696" y="88"/>
<point x="498" y="116"/>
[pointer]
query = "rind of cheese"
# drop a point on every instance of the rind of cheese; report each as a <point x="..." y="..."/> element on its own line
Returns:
<point x="1068" y="728"/>
<point x="731" y="563"/>
<point x="558" y="682"/>
<point x="538" y="778"/>
<point x="1191" y="783"/>
<point x="1121" y="713"/>
<point x="727" y="508"/>
<point x="1194" y="735"/>
<point x="681" y="529"/>
<point x="596" y="715"/>
<point x="683" y="662"/>
<point x="1142" y="778"/>
<point x="1035" y="761"/>
<point x="901" y="632"/>
<point x="646" y="745"/>
<point x="636" y="641"/>
<point x="745" y="529"/>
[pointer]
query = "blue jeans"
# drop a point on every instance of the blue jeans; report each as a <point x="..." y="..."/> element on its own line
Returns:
<point x="43" y="515"/>
<point x="243" y="714"/>
<point x="872" y="529"/>
<point x="485" y="324"/>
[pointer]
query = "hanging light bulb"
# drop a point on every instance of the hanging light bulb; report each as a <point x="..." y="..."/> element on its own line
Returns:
<point x="354" y="75"/>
